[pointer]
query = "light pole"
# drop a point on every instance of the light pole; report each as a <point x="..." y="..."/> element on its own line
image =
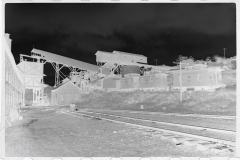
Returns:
<point x="156" y="61"/>
<point x="224" y="50"/>
<point x="180" y="78"/>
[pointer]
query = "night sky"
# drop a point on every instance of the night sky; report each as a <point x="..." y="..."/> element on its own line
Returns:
<point x="159" y="31"/>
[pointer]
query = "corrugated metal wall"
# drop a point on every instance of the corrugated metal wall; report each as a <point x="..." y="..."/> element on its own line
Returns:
<point x="153" y="81"/>
<point x="198" y="78"/>
<point x="66" y="94"/>
<point x="109" y="83"/>
<point x="127" y="83"/>
<point x="146" y="81"/>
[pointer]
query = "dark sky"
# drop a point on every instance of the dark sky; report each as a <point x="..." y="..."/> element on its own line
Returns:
<point x="157" y="30"/>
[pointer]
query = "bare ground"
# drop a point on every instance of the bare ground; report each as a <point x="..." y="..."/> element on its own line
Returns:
<point x="61" y="135"/>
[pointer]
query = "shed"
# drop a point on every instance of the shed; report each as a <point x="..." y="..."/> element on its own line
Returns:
<point x="66" y="94"/>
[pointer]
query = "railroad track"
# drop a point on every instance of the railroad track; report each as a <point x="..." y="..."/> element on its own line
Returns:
<point x="166" y="123"/>
<point x="171" y="114"/>
<point x="176" y="132"/>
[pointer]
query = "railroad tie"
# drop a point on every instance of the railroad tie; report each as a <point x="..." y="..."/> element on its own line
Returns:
<point x="219" y="149"/>
<point x="205" y="146"/>
<point x="157" y="134"/>
<point x="192" y="142"/>
<point x="167" y="136"/>
<point x="178" y="140"/>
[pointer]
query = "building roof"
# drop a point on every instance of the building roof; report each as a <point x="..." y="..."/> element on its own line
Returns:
<point x="194" y="69"/>
<point x="62" y="84"/>
<point x="65" y="80"/>
<point x="132" y="54"/>
<point x="100" y="52"/>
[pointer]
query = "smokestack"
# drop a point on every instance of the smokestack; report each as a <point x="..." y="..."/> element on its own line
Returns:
<point x="9" y="41"/>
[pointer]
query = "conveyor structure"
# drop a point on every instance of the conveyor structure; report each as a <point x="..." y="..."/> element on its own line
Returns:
<point x="58" y="62"/>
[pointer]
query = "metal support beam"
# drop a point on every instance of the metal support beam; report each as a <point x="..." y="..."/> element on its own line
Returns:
<point x="99" y="64"/>
<point x="21" y="58"/>
<point x="57" y="78"/>
<point x="58" y="74"/>
<point x="115" y="69"/>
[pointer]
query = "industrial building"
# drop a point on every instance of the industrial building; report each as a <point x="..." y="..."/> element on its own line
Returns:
<point x="12" y="87"/>
<point x="198" y="77"/>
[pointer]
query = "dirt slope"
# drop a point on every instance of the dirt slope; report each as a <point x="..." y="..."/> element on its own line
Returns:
<point x="218" y="102"/>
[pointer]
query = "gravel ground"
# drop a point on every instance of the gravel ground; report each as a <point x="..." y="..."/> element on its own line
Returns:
<point x="61" y="135"/>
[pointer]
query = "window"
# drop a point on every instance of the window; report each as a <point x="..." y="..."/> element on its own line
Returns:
<point x="9" y="78"/>
<point x="6" y="75"/>
<point x="199" y="77"/>
<point x="135" y="80"/>
<point x="13" y="80"/>
<point x="189" y="79"/>
<point x="6" y="95"/>
<point x="210" y="76"/>
<point x="219" y="77"/>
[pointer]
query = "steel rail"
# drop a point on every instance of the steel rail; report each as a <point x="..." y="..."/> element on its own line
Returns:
<point x="220" y="141"/>
<point x="168" y="123"/>
<point x="172" y="114"/>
